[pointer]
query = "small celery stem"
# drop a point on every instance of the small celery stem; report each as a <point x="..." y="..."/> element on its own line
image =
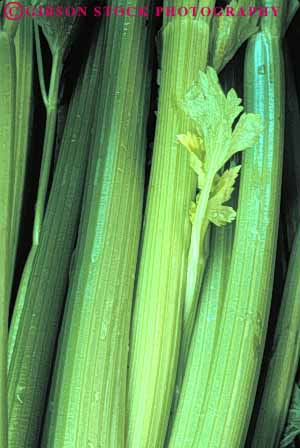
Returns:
<point x="51" y="106"/>
<point x="197" y="258"/>
<point x="196" y="264"/>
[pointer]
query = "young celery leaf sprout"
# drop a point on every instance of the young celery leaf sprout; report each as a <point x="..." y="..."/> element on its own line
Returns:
<point x="212" y="143"/>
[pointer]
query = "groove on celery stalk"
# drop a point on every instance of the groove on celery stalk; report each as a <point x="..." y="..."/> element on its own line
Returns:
<point x="283" y="364"/>
<point x="7" y="122"/>
<point x="227" y="404"/>
<point x="161" y="279"/>
<point x="35" y="327"/>
<point x="88" y="393"/>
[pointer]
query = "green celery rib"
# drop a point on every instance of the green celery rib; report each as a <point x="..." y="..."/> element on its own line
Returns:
<point x="283" y="364"/>
<point x="157" y="318"/>
<point x="88" y="396"/>
<point x="291" y="174"/>
<point x="229" y="396"/>
<point x="49" y="140"/>
<point x="188" y="415"/>
<point x="24" y="59"/>
<point x="50" y="102"/>
<point x="212" y="283"/>
<point x="35" y="323"/>
<point x="7" y="122"/>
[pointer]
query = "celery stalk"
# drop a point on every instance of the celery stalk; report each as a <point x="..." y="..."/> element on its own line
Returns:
<point x="88" y="395"/>
<point x="35" y="323"/>
<point x="58" y="31"/>
<point x="206" y="104"/>
<point x="24" y="61"/>
<point x="7" y="141"/>
<point x="291" y="173"/>
<point x="284" y="360"/>
<point x="187" y="417"/>
<point x="157" y="316"/>
<point x="227" y="403"/>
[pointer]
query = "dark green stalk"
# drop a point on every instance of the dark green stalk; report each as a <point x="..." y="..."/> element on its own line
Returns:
<point x="35" y="323"/>
<point x="283" y="364"/>
<point x="24" y="60"/>
<point x="7" y="140"/>
<point x="291" y="173"/>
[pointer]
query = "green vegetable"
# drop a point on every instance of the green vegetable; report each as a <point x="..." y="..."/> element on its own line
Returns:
<point x="161" y="282"/>
<point x="206" y="105"/>
<point x="160" y="302"/>
<point x="283" y="364"/>
<point x="291" y="175"/>
<point x="36" y="319"/>
<point x="210" y="148"/>
<point x="88" y="396"/>
<point x="226" y="405"/>
<point x="184" y="429"/>
<point x="24" y="60"/>
<point x="7" y="141"/>
<point x="185" y="426"/>
<point x="58" y="33"/>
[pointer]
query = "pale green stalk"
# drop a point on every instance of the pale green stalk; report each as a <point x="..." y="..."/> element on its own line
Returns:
<point x="88" y="397"/>
<point x="157" y="317"/>
<point x="187" y="417"/>
<point x="227" y="403"/>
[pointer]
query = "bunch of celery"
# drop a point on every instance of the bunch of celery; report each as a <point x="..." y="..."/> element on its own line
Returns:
<point x="141" y="316"/>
